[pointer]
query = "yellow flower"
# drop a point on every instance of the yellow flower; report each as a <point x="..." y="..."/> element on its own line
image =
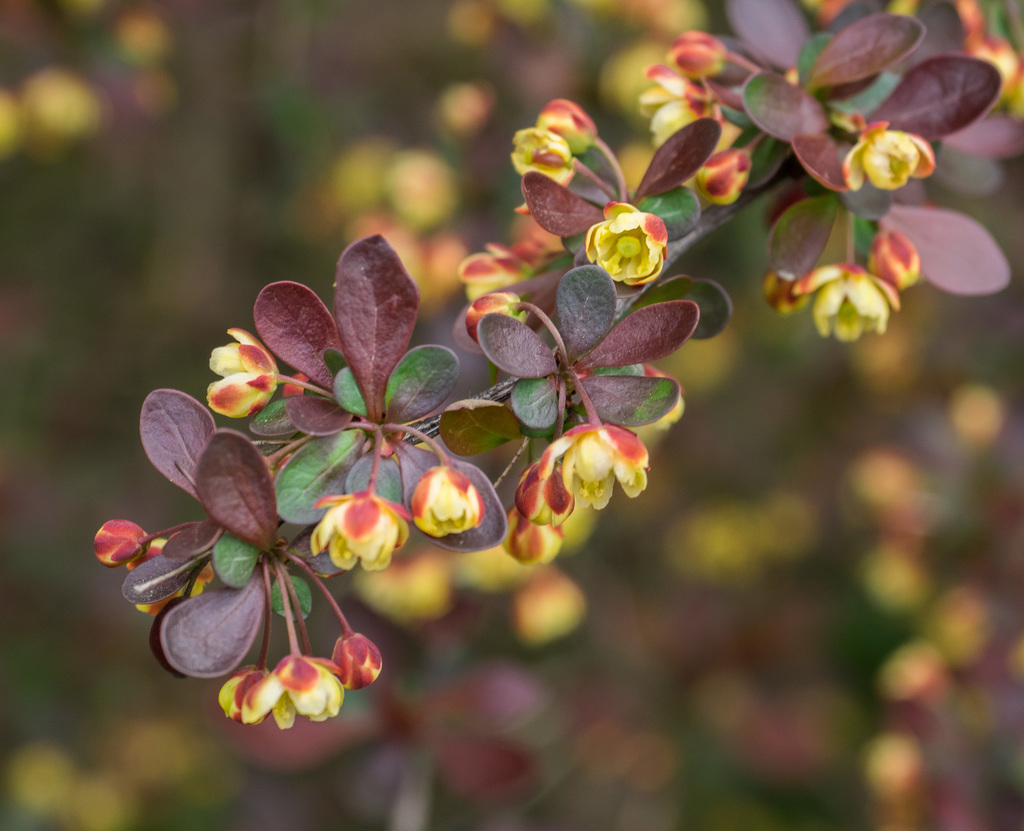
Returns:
<point x="629" y="244"/>
<point x="249" y="376"/>
<point x="722" y="178"/>
<point x="850" y="300"/>
<point x="672" y="104"/>
<point x="233" y="693"/>
<point x="543" y="151"/>
<point x="895" y="259"/>
<point x="446" y="502"/>
<point x="888" y="158"/>
<point x="567" y="119"/>
<point x="307" y="686"/>
<point x="698" y="54"/>
<point x="530" y="542"/>
<point x="594" y="457"/>
<point x="549" y="606"/>
<point x="543" y="498"/>
<point x="360" y="527"/>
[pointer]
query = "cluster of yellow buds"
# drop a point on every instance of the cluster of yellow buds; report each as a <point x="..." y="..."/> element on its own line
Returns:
<point x="563" y="130"/>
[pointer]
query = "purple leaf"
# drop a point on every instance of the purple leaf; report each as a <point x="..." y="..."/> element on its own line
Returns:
<point x="995" y="137"/>
<point x="681" y="156"/>
<point x="940" y="96"/>
<point x="297" y="327"/>
<point x="781" y="109"/>
<point x="799" y="237"/>
<point x="585" y="304"/>
<point x="210" y="634"/>
<point x="485" y="769"/>
<point x="865" y="48"/>
<point x="645" y="335"/>
<point x="316" y="416"/>
<point x="556" y="208"/>
<point x="629" y="400"/>
<point x="135" y="589"/>
<point x="773" y="28"/>
<point x="944" y="31"/>
<point x="421" y="383"/>
<point x="175" y="428"/>
<point x="375" y="304"/>
<point x="819" y="154"/>
<point x="514" y="347"/>
<point x="196" y="538"/>
<point x="234" y="486"/>
<point x="732" y="98"/>
<point x="957" y="254"/>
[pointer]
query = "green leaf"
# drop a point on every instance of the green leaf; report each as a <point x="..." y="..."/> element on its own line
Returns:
<point x="319" y="468"/>
<point x="335" y="361"/>
<point x="272" y="420"/>
<point x="799" y="236"/>
<point x="474" y="426"/>
<point x="535" y="402"/>
<point x="809" y="54"/>
<point x="389" y="478"/>
<point x="781" y="109"/>
<point x="234" y="560"/>
<point x="715" y="308"/>
<point x="302" y="592"/>
<point x="675" y="289"/>
<point x="630" y="401"/>
<point x="346" y="393"/>
<point x="863" y="235"/>
<point x="420" y="383"/>
<point x="678" y="208"/>
<point x="635" y="370"/>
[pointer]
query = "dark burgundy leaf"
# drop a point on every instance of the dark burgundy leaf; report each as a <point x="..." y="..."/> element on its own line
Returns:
<point x="957" y="253"/>
<point x="196" y="538"/>
<point x="681" y="156"/>
<point x="556" y="208"/>
<point x="484" y="769"/>
<point x="799" y="237"/>
<point x="819" y="154"/>
<point x="995" y="137"/>
<point x="375" y="304"/>
<point x="414" y="462"/>
<point x="629" y="400"/>
<point x="781" y="109"/>
<point x="732" y="98"/>
<point x="474" y="426"/>
<point x="138" y="586"/>
<point x="514" y="347"/>
<point x="940" y="96"/>
<point x="154" y="636"/>
<point x="944" y="31"/>
<point x="175" y="428"/>
<point x="234" y="486"/>
<point x="317" y="416"/>
<point x="645" y="335"/>
<point x="773" y="28"/>
<point x="421" y="383"/>
<point x="715" y="308"/>
<point x="297" y="327"/>
<point x="865" y="48"/>
<point x="585" y="305"/>
<point x="852" y="12"/>
<point x="210" y="634"/>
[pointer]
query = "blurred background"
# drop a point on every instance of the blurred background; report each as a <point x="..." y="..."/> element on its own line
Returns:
<point x="811" y="620"/>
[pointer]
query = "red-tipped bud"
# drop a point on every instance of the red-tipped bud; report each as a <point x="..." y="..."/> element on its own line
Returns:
<point x="358" y="661"/>
<point x="529" y="542"/>
<point x="234" y="691"/>
<point x="568" y="120"/>
<point x="543" y="499"/>
<point x="487" y="272"/>
<point x="698" y="54"/>
<point x="497" y="302"/>
<point x="118" y="542"/>
<point x="445" y="502"/>
<point x="723" y="177"/>
<point x="894" y="259"/>
<point x="781" y="294"/>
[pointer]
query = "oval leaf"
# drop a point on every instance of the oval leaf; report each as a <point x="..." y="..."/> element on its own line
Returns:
<point x="535" y="402"/>
<point x="272" y="420"/>
<point x="375" y="305"/>
<point x="865" y="48"/>
<point x="957" y="253"/>
<point x="347" y="393"/>
<point x="773" y="28"/>
<point x="819" y="154"/>
<point x="317" y="469"/>
<point x="170" y="577"/>
<point x="556" y="208"/>
<point x="474" y="426"/>
<point x="940" y="96"/>
<point x="514" y="347"/>
<point x="234" y="486"/>
<point x="645" y="335"/>
<point x="715" y="308"/>
<point x="317" y="416"/>
<point x="585" y="305"/>
<point x="995" y="137"/>
<point x="209" y="635"/>
<point x="234" y="561"/>
<point x="420" y="383"/>
<point x="389" y="478"/>
<point x="175" y="429"/>
<point x="195" y="539"/>
<point x="679" y="209"/>
<point x="297" y="327"/>
<point x="630" y="401"/>
<point x="781" y="109"/>
<point x="680" y="157"/>
<point x="799" y="237"/>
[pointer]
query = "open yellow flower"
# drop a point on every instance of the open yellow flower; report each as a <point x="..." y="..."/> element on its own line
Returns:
<point x="887" y="158"/>
<point x="629" y="244"/>
<point x="307" y="686"/>
<point x="594" y="457"/>
<point x="446" y="502"/>
<point x="675" y="102"/>
<point x="360" y="527"/>
<point x="850" y="300"/>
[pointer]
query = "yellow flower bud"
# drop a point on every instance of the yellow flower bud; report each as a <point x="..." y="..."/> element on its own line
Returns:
<point x="850" y="301"/>
<point x="543" y="151"/>
<point x="360" y="527"/>
<point x="446" y="502"/>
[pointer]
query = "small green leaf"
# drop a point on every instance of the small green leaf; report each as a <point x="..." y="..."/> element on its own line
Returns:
<point x="420" y="383"/>
<point x="675" y="289"/>
<point x="678" y="208"/>
<point x="474" y="426"/>
<point x="535" y="402"/>
<point x="389" y="478"/>
<point x="335" y="361"/>
<point x="585" y="305"/>
<point x="234" y="560"/>
<point x="863" y="235"/>
<point x="319" y="468"/>
<point x="715" y="308"/>
<point x="635" y="370"/>
<point x="346" y="393"/>
<point x="302" y="592"/>
<point x="809" y="54"/>
<point x="272" y="420"/>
